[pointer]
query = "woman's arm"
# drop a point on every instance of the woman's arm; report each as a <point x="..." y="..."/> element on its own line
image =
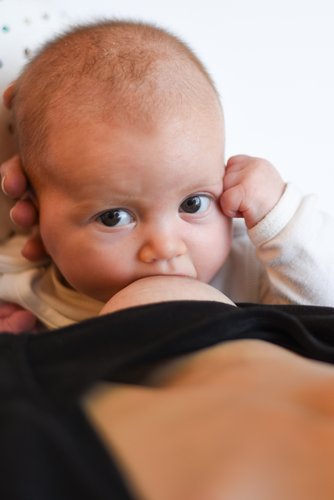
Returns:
<point x="243" y="420"/>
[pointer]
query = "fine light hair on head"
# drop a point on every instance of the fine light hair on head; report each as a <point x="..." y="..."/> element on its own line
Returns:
<point x="110" y="70"/>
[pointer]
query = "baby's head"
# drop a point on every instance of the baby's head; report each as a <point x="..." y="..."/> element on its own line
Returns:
<point x="121" y="133"/>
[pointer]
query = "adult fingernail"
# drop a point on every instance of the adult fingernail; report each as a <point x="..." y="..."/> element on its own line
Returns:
<point x="11" y="215"/>
<point x="3" y="184"/>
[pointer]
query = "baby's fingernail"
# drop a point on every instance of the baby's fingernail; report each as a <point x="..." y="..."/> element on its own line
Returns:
<point x="3" y="184"/>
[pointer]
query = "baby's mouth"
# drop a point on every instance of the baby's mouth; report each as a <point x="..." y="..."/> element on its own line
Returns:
<point x="184" y="269"/>
<point x="189" y="275"/>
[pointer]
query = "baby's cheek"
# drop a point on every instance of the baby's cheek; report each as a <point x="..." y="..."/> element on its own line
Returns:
<point x="49" y="237"/>
<point x="215" y="248"/>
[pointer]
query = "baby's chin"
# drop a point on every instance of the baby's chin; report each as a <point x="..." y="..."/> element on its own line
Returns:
<point x="155" y="289"/>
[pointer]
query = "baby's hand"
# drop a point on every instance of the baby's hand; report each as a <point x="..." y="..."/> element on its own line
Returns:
<point x="252" y="187"/>
<point x="14" y="319"/>
<point x="24" y="214"/>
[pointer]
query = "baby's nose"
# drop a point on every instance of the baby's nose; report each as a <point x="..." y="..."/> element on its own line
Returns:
<point x="162" y="245"/>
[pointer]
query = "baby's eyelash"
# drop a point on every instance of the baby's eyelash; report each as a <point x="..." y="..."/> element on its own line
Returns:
<point x="115" y="217"/>
<point x="196" y="203"/>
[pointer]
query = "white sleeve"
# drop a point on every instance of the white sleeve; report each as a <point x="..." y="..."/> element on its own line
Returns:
<point x="295" y="244"/>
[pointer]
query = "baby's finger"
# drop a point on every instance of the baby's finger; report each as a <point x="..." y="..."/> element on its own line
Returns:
<point x="237" y="162"/>
<point x="233" y="177"/>
<point x="231" y="201"/>
<point x="13" y="180"/>
<point x="24" y="214"/>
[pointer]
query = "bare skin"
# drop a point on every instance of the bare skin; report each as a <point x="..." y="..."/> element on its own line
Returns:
<point x="244" y="176"/>
<point x="14" y="319"/>
<point x="242" y="179"/>
<point x="244" y="420"/>
<point x="24" y="213"/>
<point x="241" y="421"/>
<point x="241" y="195"/>
<point x="161" y="289"/>
<point x="226" y="427"/>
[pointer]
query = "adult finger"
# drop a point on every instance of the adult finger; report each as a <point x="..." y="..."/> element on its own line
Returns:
<point x="34" y="249"/>
<point x="8" y="95"/>
<point x="13" y="181"/>
<point x="24" y="214"/>
<point x="18" y="322"/>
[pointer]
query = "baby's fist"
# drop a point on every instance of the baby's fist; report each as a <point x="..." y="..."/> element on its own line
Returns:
<point x="252" y="187"/>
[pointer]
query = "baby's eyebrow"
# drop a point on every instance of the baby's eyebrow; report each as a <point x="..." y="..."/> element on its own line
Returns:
<point x="214" y="186"/>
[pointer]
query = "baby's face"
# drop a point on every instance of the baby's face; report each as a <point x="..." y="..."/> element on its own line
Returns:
<point x="122" y="204"/>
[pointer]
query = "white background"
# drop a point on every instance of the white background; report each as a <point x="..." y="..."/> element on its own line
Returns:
<point x="272" y="61"/>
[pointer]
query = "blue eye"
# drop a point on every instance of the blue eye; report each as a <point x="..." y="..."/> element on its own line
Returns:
<point x="115" y="217"/>
<point x="195" y="204"/>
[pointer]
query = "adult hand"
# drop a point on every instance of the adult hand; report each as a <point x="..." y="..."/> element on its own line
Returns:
<point x="252" y="187"/>
<point x="14" y="319"/>
<point x="24" y="213"/>
<point x="14" y="184"/>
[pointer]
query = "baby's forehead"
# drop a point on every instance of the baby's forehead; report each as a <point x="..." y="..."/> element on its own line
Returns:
<point x="156" y="80"/>
<point x="132" y="75"/>
<point x="172" y="150"/>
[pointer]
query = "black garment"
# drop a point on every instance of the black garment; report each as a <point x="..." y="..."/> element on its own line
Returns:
<point x="48" y="450"/>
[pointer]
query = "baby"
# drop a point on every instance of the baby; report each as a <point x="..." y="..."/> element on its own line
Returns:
<point x="121" y="135"/>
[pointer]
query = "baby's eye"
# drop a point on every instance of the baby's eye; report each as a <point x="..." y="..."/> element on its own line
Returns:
<point x="115" y="217"/>
<point x="195" y="204"/>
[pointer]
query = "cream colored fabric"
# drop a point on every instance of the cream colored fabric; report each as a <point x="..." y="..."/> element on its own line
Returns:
<point x="40" y="289"/>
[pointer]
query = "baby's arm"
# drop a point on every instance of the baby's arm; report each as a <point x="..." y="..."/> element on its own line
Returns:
<point x="294" y="243"/>
<point x="293" y="239"/>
